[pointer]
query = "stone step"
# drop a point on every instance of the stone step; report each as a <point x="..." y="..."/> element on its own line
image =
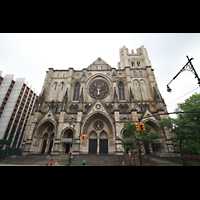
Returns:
<point x="99" y="160"/>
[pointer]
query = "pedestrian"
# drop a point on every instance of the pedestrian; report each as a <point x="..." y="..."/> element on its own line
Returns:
<point x="135" y="152"/>
<point x="123" y="163"/>
<point x="57" y="163"/>
<point x="84" y="161"/>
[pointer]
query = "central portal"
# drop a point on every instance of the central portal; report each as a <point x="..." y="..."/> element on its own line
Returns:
<point x="100" y="137"/>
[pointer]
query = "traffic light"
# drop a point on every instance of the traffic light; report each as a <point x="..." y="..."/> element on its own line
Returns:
<point x="137" y="127"/>
<point x="83" y="137"/>
<point x="142" y="127"/>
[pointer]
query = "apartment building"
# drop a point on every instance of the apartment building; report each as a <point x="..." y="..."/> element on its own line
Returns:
<point x="17" y="100"/>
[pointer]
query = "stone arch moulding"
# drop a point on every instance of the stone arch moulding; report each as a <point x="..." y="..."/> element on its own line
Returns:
<point x="98" y="75"/>
<point x="42" y="123"/>
<point x="92" y="135"/>
<point x="151" y="120"/>
<point x="85" y="120"/>
<point x="103" y="135"/>
<point x="121" y="80"/>
<point x="68" y="128"/>
<point x="122" y="132"/>
<point x="73" y="83"/>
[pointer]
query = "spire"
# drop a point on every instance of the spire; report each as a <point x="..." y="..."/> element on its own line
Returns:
<point x="65" y="99"/>
<point x="114" y="76"/>
<point x="131" y="96"/>
<point x="80" y="103"/>
<point x="156" y="96"/>
<point x="39" y="101"/>
<point x="115" y="95"/>
<point x="81" y="96"/>
<point x="83" y="77"/>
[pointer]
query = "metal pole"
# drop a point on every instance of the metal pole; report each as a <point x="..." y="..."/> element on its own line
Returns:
<point x="185" y="68"/>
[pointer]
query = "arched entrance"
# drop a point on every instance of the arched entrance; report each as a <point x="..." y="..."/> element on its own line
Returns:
<point x="66" y="140"/>
<point x="44" y="138"/>
<point x="160" y="146"/>
<point x="100" y="135"/>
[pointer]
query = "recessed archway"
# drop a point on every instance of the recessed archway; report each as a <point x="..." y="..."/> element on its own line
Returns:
<point x="66" y="139"/>
<point x="100" y="126"/>
<point x="44" y="137"/>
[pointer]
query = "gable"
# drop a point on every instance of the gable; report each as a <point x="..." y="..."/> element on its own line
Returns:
<point x="99" y="64"/>
<point x="98" y="107"/>
<point x="148" y="116"/>
<point x="49" y="116"/>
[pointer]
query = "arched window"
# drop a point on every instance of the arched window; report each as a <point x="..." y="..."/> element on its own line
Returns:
<point x="132" y="63"/>
<point x="62" y="85"/>
<point x="144" y="90"/>
<point x="137" y="92"/>
<point x="121" y="91"/>
<point x="76" y="92"/>
<point x="55" y="85"/>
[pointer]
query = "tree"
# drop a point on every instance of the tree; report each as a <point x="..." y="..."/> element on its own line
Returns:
<point x="192" y="142"/>
<point x="186" y="126"/>
<point x="137" y="139"/>
<point x="179" y="128"/>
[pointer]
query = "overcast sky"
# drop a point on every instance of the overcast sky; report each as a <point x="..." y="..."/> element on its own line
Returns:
<point x="29" y="55"/>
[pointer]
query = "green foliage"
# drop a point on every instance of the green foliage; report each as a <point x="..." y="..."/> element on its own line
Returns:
<point x="137" y="139"/>
<point x="187" y="125"/>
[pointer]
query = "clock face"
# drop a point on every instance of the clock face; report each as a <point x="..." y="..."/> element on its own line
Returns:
<point x="99" y="89"/>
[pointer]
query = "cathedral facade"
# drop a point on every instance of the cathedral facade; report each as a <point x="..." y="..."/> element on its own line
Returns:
<point x="96" y="101"/>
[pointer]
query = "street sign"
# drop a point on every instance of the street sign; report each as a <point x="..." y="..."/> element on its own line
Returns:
<point x="74" y="141"/>
<point x="71" y="149"/>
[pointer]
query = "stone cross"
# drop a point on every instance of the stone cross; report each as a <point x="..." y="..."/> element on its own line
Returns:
<point x="98" y="91"/>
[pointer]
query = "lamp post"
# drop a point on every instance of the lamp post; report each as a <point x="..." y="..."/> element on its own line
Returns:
<point x="188" y="67"/>
<point x="73" y="124"/>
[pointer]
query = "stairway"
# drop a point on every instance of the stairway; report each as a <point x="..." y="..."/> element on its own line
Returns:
<point x="99" y="160"/>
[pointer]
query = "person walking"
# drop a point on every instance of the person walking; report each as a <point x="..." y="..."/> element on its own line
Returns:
<point x="84" y="161"/>
<point x="57" y="163"/>
<point x="123" y="163"/>
<point x="135" y="153"/>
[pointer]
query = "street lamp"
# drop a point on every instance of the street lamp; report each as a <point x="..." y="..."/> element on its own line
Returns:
<point x="188" y="67"/>
<point x="73" y="124"/>
<point x="168" y="89"/>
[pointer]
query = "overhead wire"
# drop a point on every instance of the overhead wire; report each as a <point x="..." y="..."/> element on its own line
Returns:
<point x="180" y="97"/>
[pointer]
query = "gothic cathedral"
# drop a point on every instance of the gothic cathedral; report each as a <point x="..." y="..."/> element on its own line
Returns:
<point x="96" y="101"/>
